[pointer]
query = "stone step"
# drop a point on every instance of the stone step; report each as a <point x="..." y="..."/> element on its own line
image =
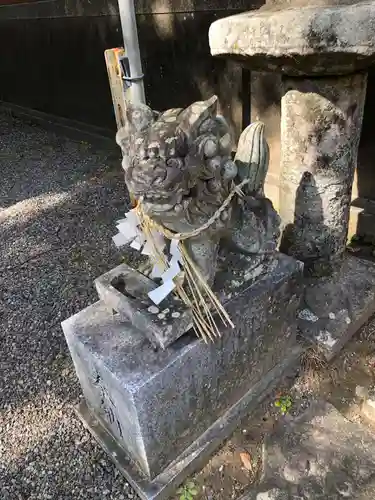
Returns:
<point x="317" y="455"/>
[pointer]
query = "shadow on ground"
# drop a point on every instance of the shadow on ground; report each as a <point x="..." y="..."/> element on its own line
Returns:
<point x="59" y="201"/>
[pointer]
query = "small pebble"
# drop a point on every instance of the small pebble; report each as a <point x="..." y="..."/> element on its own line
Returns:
<point x="161" y="316"/>
<point x="166" y="311"/>
<point x="176" y="314"/>
<point x="153" y="309"/>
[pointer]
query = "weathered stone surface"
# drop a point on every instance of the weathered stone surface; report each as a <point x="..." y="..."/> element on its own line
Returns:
<point x="334" y="308"/>
<point x="197" y="454"/>
<point x="368" y="405"/>
<point x="318" y="455"/>
<point x="320" y="132"/>
<point x="300" y="39"/>
<point x="178" y="165"/>
<point x="156" y="404"/>
<point x="125" y="291"/>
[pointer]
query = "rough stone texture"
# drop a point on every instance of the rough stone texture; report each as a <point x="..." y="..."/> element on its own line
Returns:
<point x="178" y="164"/>
<point x="156" y="404"/>
<point x="334" y="308"/>
<point x="300" y="39"/>
<point x="266" y="106"/>
<point x="368" y="405"/>
<point x="318" y="455"/>
<point x="197" y="454"/>
<point x="320" y="132"/>
<point x="125" y="290"/>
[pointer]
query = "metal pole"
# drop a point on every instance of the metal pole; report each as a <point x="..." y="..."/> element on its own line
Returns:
<point x="131" y="44"/>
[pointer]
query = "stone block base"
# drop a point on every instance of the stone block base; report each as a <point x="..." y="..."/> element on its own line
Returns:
<point x="159" y="413"/>
<point x="362" y="219"/>
<point x="355" y="293"/>
<point x="195" y="456"/>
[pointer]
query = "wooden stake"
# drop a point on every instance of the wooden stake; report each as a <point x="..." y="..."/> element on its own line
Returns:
<point x="116" y="84"/>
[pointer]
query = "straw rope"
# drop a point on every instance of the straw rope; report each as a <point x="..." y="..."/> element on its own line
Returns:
<point x="196" y="232"/>
<point x="200" y="299"/>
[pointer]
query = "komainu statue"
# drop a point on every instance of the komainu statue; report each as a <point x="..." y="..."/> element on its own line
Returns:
<point x="179" y="164"/>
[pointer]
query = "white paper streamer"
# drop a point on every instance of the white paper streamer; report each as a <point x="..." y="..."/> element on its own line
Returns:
<point x="161" y="292"/>
<point x="158" y="240"/>
<point x="172" y="271"/>
<point x="131" y="232"/>
<point x="148" y="249"/>
<point x="157" y="270"/>
<point x="120" y="240"/>
<point x="175" y="251"/>
<point x="138" y="242"/>
<point x="168" y="285"/>
<point x="128" y="229"/>
<point x="133" y="217"/>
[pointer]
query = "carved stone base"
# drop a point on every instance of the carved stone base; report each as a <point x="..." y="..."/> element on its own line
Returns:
<point x="168" y="409"/>
<point x="335" y="308"/>
<point x="196" y="455"/>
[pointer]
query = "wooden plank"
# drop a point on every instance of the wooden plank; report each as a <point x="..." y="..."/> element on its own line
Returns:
<point x="119" y="93"/>
<point x="116" y="83"/>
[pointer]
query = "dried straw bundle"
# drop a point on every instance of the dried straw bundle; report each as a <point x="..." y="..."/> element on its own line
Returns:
<point x="190" y="284"/>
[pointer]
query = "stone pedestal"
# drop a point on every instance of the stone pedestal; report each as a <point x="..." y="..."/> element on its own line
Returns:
<point x="322" y="51"/>
<point x="160" y="413"/>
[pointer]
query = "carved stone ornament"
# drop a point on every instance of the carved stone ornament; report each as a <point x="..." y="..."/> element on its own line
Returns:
<point x="179" y="164"/>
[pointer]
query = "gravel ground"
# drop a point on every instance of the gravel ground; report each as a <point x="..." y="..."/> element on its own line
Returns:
<point x="58" y="203"/>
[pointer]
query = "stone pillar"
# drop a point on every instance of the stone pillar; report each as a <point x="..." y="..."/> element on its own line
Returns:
<point x="321" y="122"/>
<point x="322" y="50"/>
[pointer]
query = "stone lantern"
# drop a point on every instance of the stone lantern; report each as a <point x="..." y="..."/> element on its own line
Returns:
<point x="322" y="50"/>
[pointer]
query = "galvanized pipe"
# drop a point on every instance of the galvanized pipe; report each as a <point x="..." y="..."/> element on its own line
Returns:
<point x="131" y="44"/>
